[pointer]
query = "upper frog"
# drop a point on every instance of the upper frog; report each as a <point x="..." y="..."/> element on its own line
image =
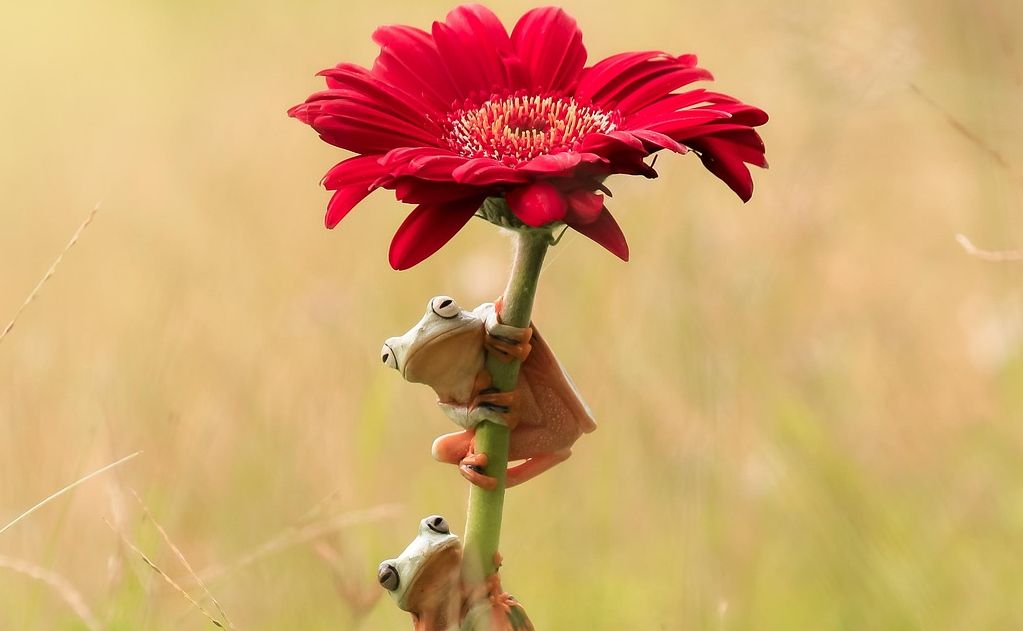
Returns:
<point x="444" y="350"/>
<point x="447" y="351"/>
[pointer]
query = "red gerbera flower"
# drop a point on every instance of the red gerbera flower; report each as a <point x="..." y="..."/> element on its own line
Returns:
<point x="466" y="119"/>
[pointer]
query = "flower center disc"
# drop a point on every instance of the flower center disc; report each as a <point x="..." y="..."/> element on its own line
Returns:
<point x="515" y="129"/>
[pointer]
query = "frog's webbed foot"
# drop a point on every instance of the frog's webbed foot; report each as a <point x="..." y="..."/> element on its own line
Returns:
<point x="500" y="600"/>
<point x="507" y="342"/>
<point x="472" y="469"/>
<point x="459" y="448"/>
<point x="500" y="610"/>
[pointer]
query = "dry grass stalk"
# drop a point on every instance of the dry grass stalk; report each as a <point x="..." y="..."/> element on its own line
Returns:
<point x="295" y="536"/>
<point x="170" y="581"/>
<point x="181" y="557"/>
<point x="964" y="131"/>
<point x="998" y="256"/>
<point x="49" y="273"/>
<point x="60" y="585"/>
<point x="67" y="488"/>
<point x="350" y="585"/>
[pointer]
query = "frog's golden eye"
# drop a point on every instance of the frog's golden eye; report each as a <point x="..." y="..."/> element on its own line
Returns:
<point x="388" y="577"/>
<point x="445" y="307"/>
<point x="387" y="355"/>
<point x="438" y="524"/>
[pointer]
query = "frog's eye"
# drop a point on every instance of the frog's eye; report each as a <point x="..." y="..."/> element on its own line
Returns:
<point x="438" y="524"/>
<point x="387" y="355"/>
<point x="387" y="575"/>
<point x="445" y="307"/>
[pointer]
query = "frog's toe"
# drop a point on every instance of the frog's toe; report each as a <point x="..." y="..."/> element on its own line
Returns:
<point x="507" y="342"/>
<point x="502" y="405"/>
<point x="507" y="352"/>
<point x="476" y="462"/>
<point x="472" y="469"/>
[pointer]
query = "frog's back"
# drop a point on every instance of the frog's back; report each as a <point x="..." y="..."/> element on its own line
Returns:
<point x="558" y="403"/>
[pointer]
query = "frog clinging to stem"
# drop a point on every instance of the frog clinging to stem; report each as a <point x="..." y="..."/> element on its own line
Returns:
<point x="425" y="581"/>
<point x="447" y="351"/>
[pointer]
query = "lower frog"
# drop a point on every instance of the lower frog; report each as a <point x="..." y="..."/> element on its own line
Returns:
<point x="447" y="349"/>
<point x="425" y="580"/>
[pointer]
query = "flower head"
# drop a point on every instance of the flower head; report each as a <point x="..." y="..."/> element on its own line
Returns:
<point x="468" y="113"/>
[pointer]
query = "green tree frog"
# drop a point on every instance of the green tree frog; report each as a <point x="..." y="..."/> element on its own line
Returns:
<point x="446" y="350"/>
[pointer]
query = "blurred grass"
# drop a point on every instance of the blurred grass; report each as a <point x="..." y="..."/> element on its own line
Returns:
<point x="809" y="406"/>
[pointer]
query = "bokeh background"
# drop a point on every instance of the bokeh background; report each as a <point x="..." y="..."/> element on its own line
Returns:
<point x="810" y="406"/>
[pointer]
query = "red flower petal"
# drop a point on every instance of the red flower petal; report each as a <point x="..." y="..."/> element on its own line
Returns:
<point x="624" y="153"/>
<point x="427" y="229"/>
<point x="659" y="140"/>
<point x="353" y="171"/>
<point x="640" y="75"/>
<point x="487" y="172"/>
<point x="671" y="104"/>
<point x="720" y="160"/>
<point x="608" y="72"/>
<point x="359" y="137"/>
<point x="615" y="78"/>
<point x="742" y="113"/>
<point x="475" y="47"/>
<point x="670" y="122"/>
<point x="427" y="164"/>
<point x="613" y="144"/>
<point x="537" y="204"/>
<point x="583" y="207"/>
<point x="744" y="144"/>
<point x="372" y="118"/>
<point x="415" y="191"/>
<point x="560" y="163"/>
<point x="342" y="202"/>
<point x="606" y="231"/>
<point x="355" y="81"/>
<point x="550" y="43"/>
<point x="656" y="88"/>
<point x="409" y="61"/>
<point x="352" y="180"/>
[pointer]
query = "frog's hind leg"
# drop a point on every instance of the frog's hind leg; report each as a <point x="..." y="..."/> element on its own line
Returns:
<point x="535" y="466"/>
<point x="452" y="448"/>
<point x="459" y="448"/>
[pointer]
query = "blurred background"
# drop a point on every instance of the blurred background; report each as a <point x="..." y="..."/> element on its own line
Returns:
<point x="810" y="406"/>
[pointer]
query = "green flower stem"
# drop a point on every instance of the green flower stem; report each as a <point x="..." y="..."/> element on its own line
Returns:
<point x="483" y="526"/>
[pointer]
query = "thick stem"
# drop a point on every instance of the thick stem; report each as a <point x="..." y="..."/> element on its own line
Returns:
<point x="483" y="526"/>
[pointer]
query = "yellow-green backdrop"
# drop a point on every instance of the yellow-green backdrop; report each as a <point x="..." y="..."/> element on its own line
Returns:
<point x="810" y="406"/>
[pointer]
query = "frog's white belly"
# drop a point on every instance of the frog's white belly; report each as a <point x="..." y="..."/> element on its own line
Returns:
<point x="466" y="419"/>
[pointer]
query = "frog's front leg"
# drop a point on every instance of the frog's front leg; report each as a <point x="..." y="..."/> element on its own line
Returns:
<point x="506" y="342"/>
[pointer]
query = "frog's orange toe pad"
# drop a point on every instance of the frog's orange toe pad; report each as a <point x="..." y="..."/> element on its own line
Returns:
<point x="471" y="469"/>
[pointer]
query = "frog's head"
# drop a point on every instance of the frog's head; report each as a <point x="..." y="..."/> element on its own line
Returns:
<point x="443" y="349"/>
<point x="424" y="579"/>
